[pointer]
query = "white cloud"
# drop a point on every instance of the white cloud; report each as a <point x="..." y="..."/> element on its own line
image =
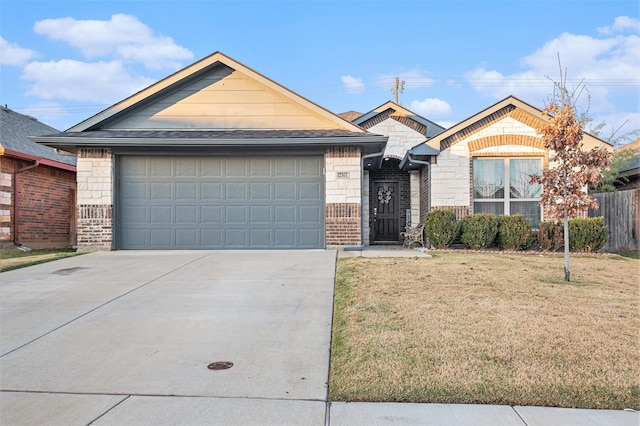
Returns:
<point x="431" y="107"/>
<point x="12" y="54"/>
<point x="101" y="82"/>
<point x="621" y="24"/>
<point x="352" y="84"/>
<point x="123" y="36"/>
<point x="605" y="66"/>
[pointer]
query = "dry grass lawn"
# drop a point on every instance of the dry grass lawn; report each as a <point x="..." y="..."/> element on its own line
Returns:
<point x="488" y="328"/>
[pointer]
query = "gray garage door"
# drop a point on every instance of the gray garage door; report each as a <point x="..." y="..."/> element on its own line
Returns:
<point x="220" y="202"/>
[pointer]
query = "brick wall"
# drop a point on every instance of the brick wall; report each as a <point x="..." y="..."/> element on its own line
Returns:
<point x="95" y="199"/>
<point x="46" y="200"/>
<point x="343" y="197"/>
<point x="343" y="224"/>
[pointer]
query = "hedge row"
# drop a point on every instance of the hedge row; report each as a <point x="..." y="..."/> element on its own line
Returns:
<point x="482" y="230"/>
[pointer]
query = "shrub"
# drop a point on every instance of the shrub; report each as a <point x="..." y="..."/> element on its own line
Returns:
<point x="550" y="236"/>
<point x="441" y="228"/>
<point x="514" y="232"/>
<point x="479" y="230"/>
<point x="587" y="235"/>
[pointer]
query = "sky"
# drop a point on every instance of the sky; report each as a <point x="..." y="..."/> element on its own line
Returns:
<point x="62" y="61"/>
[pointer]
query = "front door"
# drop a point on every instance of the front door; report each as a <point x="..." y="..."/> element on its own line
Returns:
<point x="386" y="212"/>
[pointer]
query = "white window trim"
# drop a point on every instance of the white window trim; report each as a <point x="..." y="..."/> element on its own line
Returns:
<point x="507" y="192"/>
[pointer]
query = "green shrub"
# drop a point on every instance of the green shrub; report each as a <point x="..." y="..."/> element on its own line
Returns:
<point x="479" y="230"/>
<point x="514" y="232"/>
<point x="441" y="228"/>
<point x="550" y="236"/>
<point x="587" y="235"/>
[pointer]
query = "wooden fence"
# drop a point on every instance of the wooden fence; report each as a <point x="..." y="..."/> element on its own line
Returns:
<point x="621" y="212"/>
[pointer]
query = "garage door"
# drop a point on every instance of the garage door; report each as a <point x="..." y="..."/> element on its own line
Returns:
<point x="220" y="202"/>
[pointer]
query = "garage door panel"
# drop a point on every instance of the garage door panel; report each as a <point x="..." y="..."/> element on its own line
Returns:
<point x="260" y="214"/>
<point x="213" y="202"/>
<point x="187" y="167"/>
<point x="211" y="215"/>
<point x="235" y="191"/>
<point x="309" y="190"/>
<point x="187" y="215"/>
<point x="310" y="214"/>
<point x="260" y="167"/>
<point x="159" y="167"/>
<point x="285" y="167"/>
<point x="160" y="237"/>
<point x="161" y="191"/>
<point x="236" y="214"/>
<point x="186" y="238"/>
<point x="260" y="238"/>
<point x="211" y="191"/>
<point x="187" y="191"/>
<point x="260" y="191"/>
<point x="285" y="191"/>
<point x="161" y="215"/>
<point x="285" y="214"/>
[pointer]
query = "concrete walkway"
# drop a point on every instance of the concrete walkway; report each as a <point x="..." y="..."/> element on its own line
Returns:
<point x="135" y="337"/>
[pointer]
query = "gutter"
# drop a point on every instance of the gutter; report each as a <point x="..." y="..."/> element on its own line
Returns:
<point x="364" y="157"/>
<point x="16" y="207"/>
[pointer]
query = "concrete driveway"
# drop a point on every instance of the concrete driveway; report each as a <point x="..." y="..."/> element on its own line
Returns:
<point x="127" y="337"/>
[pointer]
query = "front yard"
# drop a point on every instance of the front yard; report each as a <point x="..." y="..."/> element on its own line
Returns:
<point x="488" y="328"/>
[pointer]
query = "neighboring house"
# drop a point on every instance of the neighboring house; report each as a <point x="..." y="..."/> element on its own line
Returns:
<point x="218" y="156"/>
<point x="37" y="186"/>
<point x="631" y="172"/>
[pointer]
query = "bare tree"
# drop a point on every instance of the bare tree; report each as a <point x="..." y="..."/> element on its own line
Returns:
<point x="571" y="170"/>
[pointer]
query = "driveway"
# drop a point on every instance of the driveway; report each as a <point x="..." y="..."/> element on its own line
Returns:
<point x="127" y="338"/>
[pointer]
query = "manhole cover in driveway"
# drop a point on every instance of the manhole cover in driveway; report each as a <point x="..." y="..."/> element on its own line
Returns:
<point x="220" y="365"/>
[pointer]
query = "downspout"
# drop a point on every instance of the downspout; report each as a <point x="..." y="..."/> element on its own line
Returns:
<point x="16" y="209"/>
<point x="364" y="157"/>
<point x="428" y="164"/>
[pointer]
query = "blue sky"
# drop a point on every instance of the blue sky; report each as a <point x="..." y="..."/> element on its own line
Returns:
<point x="63" y="61"/>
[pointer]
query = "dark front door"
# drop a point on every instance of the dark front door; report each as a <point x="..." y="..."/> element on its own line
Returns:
<point x="386" y="211"/>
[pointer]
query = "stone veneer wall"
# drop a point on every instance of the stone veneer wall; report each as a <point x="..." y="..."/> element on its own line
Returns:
<point x="343" y="197"/>
<point x="95" y="198"/>
<point x="451" y="178"/>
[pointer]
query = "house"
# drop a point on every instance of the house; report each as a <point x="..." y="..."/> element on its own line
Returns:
<point x="37" y="186"/>
<point x="630" y="174"/>
<point x="218" y="156"/>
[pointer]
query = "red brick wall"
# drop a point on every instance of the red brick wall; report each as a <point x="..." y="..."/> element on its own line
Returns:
<point x="343" y="224"/>
<point x="46" y="205"/>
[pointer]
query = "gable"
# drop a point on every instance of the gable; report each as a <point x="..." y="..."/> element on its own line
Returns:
<point x="222" y="98"/>
<point x="402" y="137"/>
<point x="215" y="93"/>
<point x="510" y="116"/>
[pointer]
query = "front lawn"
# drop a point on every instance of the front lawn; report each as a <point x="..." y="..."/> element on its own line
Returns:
<point x="13" y="258"/>
<point x="488" y="328"/>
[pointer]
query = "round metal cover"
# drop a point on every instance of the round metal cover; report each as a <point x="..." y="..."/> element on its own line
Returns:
<point x="220" y="365"/>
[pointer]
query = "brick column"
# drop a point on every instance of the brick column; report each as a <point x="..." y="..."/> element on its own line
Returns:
<point x="343" y="197"/>
<point x="95" y="199"/>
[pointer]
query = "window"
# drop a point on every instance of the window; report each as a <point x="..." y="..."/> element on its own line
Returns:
<point x="490" y="194"/>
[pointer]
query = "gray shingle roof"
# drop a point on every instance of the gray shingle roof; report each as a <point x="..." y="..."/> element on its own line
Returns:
<point x="238" y="134"/>
<point x="15" y="129"/>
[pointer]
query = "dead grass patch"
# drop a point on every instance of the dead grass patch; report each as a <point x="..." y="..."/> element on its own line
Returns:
<point x="488" y="328"/>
